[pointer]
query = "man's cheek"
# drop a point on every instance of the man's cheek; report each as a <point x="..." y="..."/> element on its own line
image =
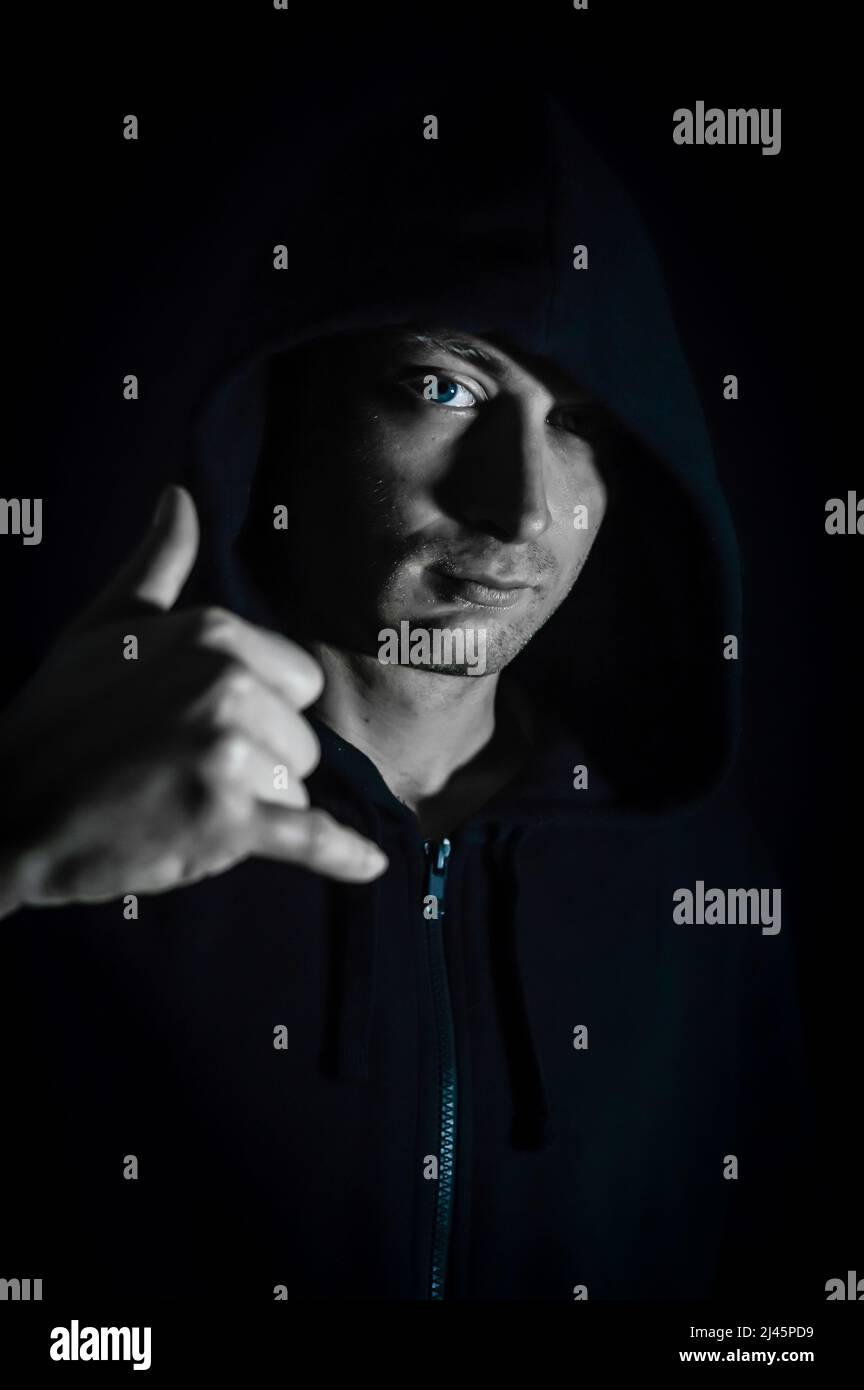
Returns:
<point x="571" y="558"/>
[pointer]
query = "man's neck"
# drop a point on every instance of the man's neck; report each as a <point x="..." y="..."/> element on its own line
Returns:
<point x="431" y="736"/>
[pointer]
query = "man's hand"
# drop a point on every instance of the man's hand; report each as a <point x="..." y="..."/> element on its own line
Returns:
<point x="137" y="776"/>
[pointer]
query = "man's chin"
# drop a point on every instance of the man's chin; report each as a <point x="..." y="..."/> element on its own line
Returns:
<point x="453" y="644"/>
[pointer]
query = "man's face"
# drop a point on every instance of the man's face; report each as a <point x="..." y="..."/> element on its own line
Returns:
<point x="435" y="478"/>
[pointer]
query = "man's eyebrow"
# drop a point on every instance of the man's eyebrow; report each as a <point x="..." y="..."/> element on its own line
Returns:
<point x="457" y="347"/>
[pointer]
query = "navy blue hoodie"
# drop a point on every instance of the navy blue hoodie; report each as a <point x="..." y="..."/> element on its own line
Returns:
<point x="551" y="1089"/>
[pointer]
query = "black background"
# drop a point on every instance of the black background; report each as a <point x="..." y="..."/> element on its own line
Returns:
<point x="117" y="261"/>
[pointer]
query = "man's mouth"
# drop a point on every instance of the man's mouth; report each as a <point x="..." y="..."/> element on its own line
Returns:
<point x="483" y="590"/>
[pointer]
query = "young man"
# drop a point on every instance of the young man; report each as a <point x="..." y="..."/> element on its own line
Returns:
<point x="426" y="1019"/>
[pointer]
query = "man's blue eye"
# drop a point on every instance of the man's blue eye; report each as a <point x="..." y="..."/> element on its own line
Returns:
<point x="443" y="390"/>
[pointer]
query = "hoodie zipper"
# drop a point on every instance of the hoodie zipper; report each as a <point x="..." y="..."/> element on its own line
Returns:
<point x="437" y="855"/>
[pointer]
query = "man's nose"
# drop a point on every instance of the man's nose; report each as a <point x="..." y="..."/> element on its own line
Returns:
<point x="499" y="481"/>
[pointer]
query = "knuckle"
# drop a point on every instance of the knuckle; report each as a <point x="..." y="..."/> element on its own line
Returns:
<point x="231" y="688"/>
<point x="212" y="625"/>
<point x="314" y="678"/>
<point x="318" y="826"/>
<point x="308" y="752"/>
<point x="310" y="678"/>
<point x="224" y="753"/>
<point x="164" y="872"/>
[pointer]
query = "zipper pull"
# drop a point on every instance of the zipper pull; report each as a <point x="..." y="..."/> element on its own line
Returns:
<point x="436" y="878"/>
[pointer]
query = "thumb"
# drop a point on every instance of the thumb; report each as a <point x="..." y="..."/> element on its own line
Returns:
<point x="155" y="573"/>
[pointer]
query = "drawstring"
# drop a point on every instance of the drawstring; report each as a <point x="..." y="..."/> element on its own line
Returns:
<point x="531" y="1122"/>
<point x="356" y="942"/>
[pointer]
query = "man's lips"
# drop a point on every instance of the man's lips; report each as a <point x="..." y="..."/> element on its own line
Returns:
<point x="488" y="580"/>
<point x="484" y="590"/>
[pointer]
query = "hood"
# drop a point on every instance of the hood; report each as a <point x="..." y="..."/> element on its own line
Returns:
<point x="475" y="231"/>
